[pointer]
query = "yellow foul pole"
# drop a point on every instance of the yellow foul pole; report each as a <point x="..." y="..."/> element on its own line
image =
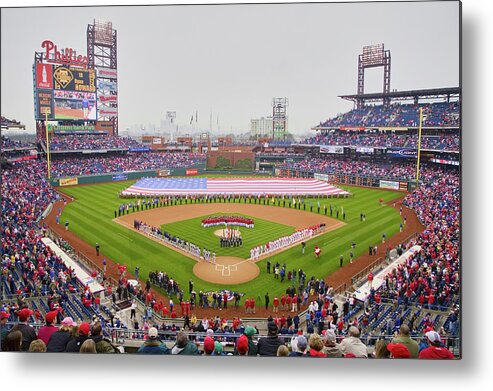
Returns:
<point x="419" y="143"/>
<point x="47" y="145"/>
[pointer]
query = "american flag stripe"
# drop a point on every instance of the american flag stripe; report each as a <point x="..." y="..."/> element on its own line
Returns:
<point x="236" y="186"/>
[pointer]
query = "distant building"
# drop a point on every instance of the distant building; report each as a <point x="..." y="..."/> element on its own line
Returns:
<point x="263" y="127"/>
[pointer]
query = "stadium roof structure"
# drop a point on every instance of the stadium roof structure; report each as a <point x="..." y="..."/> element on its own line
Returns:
<point x="11" y="124"/>
<point x="416" y="95"/>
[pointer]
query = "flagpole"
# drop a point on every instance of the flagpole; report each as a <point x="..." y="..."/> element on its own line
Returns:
<point x="419" y="144"/>
<point x="47" y="146"/>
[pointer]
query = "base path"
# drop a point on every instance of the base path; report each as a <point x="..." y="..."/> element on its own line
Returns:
<point x="227" y="270"/>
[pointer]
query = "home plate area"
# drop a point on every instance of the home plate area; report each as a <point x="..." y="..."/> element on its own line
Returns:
<point x="227" y="270"/>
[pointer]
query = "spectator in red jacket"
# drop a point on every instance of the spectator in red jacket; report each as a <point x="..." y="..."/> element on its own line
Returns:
<point x="435" y="350"/>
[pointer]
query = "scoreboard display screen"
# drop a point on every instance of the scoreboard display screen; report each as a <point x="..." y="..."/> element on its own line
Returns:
<point x="74" y="79"/>
<point x="69" y="93"/>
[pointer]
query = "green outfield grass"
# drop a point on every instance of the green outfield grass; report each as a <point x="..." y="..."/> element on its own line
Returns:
<point x="91" y="215"/>
<point x="263" y="232"/>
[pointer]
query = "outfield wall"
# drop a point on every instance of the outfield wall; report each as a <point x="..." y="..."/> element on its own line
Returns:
<point x="354" y="180"/>
<point x="127" y="175"/>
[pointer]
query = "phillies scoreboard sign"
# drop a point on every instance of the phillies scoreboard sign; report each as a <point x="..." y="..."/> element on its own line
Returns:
<point x="64" y="69"/>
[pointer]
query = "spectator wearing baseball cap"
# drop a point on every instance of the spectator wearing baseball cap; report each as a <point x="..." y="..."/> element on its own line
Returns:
<point x="242" y="346"/>
<point x="267" y="346"/>
<point x="435" y="350"/>
<point x="45" y="332"/>
<point x="60" y="338"/>
<point x="405" y="339"/>
<point x="28" y="332"/>
<point x="3" y="326"/>
<point x="208" y="345"/>
<point x="353" y="344"/>
<point x="82" y="334"/>
<point x="252" y="348"/>
<point x="298" y="346"/>
<point x="331" y="348"/>
<point x="398" y="350"/>
<point x="153" y="345"/>
<point x="218" y="349"/>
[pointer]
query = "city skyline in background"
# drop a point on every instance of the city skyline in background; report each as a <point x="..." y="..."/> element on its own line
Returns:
<point x="221" y="65"/>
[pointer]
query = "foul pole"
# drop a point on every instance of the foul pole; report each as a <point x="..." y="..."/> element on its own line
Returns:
<point x="47" y="146"/>
<point x="419" y="144"/>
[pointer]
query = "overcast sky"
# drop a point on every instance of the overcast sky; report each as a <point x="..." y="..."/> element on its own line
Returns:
<point x="233" y="59"/>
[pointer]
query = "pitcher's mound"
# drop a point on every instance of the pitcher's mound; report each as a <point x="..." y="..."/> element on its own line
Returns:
<point x="226" y="270"/>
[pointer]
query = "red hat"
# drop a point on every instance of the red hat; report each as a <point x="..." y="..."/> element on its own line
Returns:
<point x="208" y="345"/>
<point x="24" y="314"/>
<point x="51" y="316"/>
<point x="398" y="350"/>
<point x="84" y="328"/>
<point x="5" y="315"/>
<point x="242" y="345"/>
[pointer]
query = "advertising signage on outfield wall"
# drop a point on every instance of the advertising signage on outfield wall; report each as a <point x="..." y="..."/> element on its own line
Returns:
<point x="365" y="150"/>
<point x="331" y="149"/>
<point x="402" y="152"/>
<point x="389" y="185"/>
<point x="120" y="177"/>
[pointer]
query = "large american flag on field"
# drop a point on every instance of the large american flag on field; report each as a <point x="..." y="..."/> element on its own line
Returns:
<point x="253" y="186"/>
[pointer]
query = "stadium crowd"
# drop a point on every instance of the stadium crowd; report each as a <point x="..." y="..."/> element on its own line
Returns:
<point x="431" y="277"/>
<point x="434" y="114"/>
<point x="8" y="143"/>
<point x="449" y="142"/>
<point x="75" y="166"/>
<point x="387" y="170"/>
<point x="91" y="142"/>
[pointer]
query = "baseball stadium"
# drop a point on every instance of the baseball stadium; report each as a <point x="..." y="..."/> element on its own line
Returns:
<point x="342" y="244"/>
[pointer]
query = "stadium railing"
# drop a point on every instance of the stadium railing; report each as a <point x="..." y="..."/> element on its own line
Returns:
<point x="129" y="337"/>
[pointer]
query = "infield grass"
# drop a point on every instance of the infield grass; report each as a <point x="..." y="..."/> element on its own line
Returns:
<point x="91" y="215"/>
<point x="263" y="232"/>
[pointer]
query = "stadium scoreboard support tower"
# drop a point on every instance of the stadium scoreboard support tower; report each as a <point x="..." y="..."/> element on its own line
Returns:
<point x="279" y="118"/>
<point x="373" y="56"/>
<point x="102" y="56"/>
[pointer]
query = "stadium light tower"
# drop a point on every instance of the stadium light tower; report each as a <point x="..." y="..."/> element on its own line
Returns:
<point x="374" y="56"/>
<point x="279" y="117"/>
